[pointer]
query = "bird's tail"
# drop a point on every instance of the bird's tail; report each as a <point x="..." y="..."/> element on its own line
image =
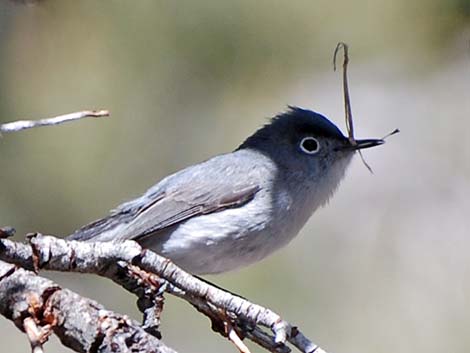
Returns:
<point x="95" y="231"/>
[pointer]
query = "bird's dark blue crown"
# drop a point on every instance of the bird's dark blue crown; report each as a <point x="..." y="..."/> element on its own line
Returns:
<point x="296" y="121"/>
<point x="306" y="121"/>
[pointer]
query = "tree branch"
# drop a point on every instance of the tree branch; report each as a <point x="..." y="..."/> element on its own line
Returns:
<point x="38" y="306"/>
<point x="143" y="271"/>
<point x="29" y="124"/>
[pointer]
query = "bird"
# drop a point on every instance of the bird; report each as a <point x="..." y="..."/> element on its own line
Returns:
<point x="237" y="208"/>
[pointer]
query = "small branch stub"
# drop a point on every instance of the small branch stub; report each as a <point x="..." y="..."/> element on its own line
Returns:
<point x="6" y="232"/>
<point x="37" y="335"/>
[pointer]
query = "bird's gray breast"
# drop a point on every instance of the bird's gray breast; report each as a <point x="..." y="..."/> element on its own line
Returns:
<point x="231" y="238"/>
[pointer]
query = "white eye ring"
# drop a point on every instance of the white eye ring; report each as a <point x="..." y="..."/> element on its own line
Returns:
<point x="309" y="145"/>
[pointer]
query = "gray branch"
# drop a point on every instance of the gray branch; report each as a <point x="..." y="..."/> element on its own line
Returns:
<point x="39" y="306"/>
<point x="28" y="124"/>
<point x="143" y="271"/>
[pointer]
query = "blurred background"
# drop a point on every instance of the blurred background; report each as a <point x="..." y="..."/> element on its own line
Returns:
<point x="384" y="267"/>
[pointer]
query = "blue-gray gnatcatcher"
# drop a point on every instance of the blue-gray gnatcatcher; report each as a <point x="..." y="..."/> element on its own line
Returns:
<point x="237" y="208"/>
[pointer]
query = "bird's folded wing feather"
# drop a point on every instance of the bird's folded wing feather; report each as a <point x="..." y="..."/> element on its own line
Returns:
<point x="222" y="182"/>
<point x="172" y="209"/>
<point x="157" y="211"/>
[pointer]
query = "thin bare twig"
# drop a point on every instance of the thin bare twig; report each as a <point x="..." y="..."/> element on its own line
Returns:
<point x="29" y="124"/>
<point x="347" y="100"/>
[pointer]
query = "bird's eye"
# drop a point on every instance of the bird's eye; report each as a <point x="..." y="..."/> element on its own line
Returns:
<point x="309" y="145"/>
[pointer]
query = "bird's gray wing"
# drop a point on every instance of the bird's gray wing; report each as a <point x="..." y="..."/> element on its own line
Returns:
<point x="186" y="194"/>
<point x="173" y="208"/>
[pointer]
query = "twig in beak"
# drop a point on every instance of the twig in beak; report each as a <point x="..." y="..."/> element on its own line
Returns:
<point x="347" y="100"/>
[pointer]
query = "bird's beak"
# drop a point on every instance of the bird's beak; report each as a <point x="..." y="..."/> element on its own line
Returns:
<point x="361" y="144"/>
